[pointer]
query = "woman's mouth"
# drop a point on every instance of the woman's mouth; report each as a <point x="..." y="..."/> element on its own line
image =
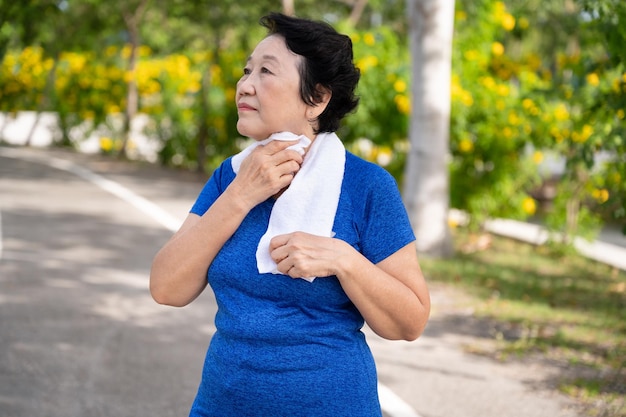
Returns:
<point x="244" y="107"/>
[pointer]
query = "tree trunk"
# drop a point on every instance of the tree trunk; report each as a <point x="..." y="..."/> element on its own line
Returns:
<point x="133" y="21"/>
<point x="288" y="8"/>
<point x="132" y="99"/>
<point x="426" y="176"/>
<point x="203" y="121"/>
<point x="357" y="11"/>
<point x="45" y="99"/>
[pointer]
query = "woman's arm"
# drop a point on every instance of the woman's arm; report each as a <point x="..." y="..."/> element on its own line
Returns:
<point x="179" y="269"/>
<point x="392" y="295"/>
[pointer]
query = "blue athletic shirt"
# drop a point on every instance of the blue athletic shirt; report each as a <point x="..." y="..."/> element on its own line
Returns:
<point x="285" y="346"/>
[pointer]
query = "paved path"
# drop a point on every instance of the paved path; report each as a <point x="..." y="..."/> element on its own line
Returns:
<point x="80" y="335"/>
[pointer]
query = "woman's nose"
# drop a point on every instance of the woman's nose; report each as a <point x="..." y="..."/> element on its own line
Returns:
<point x="245" y="86"/>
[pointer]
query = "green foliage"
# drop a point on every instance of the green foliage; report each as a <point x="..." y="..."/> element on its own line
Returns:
<point x="529" y="83"/>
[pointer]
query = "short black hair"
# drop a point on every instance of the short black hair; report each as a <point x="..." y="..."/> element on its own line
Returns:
<point x="328" y="62"/>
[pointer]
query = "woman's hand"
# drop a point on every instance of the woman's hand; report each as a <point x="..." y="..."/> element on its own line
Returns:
<point x="266" y="171"/>
<point x="302" y="255"/>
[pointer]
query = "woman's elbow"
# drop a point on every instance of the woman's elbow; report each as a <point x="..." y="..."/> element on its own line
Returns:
<point x="158" y="293"/>
<point x="172" y="292"/>
<point x="161" y="293"/>
<point x="416" y="328"/>
<point x="414" y="332"/>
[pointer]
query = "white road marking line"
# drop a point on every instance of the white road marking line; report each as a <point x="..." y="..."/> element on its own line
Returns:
<point x="157" y="213"/>
<point x="391" y="404"/>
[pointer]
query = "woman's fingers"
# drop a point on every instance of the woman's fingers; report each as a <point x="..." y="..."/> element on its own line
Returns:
<point x="267" y="170"/>
<point x="302" y="254"/>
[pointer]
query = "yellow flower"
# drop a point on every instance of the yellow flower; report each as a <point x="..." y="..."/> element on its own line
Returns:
<point x="399" y="86"/>
<point x="514" y="119"/>
<point x="369" y="39"/>
<point x="403" y="103"/>
<point x="528" y="129"/>
<point x="593" y="79"/>
<point x="561" y="113"/>
<point x="601" y="195"/>
<point x="529" y="206"/>
<point x="471" y="55"/>
<point x="367" y="62"/>
<point x="523" y="23"/>
<point x="616" y="85"/>
<point x="497" y="48"/>
<point x="620" y="114"/>
<point x="466" y="145"/>
<point x="125" y="52"/>
<point x="527" y="103"/>
<point x="488" y="82"/>
<point x="110" y="51"/>
<point x="499" y="8"/>
<point x="503" y="90"/>
<point x="568" y="92"/>
<point x="144" y="51"/>
<point x="460" y="15"/>
<point x="467" y="98"/>
<point x="87" y="114"/>
<point x="112" y="109"/>
<point x="508" y="22"/>
<point x="384" y="155"/>
<point x="583" y="135"/>
<point x="106" y="144"/>
<point x="537" y="157"/>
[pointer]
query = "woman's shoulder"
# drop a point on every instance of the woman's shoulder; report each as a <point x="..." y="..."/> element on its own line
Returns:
<point x="224" y="172"/>
<point x="366" y="172"/>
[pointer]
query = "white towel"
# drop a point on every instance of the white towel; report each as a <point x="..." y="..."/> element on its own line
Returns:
<point x="310" y="203"/>
<point x="303" y="143"/>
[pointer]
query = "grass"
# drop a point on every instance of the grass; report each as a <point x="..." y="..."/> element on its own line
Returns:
<point x="553" y="303"/>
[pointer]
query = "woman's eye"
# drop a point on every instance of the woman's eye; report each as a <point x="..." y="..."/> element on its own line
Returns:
<point x="246" y="71"/>
<point x="265" y="70"/>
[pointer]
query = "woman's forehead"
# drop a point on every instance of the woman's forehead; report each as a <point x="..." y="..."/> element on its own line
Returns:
<point x="273" y="48"/>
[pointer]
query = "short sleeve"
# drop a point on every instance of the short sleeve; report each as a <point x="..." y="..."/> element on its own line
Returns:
<point x="214" y="187"/>
<point x="385" y="226"/>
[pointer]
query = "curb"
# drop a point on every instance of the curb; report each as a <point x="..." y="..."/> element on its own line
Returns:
<point x="607" y="253"/>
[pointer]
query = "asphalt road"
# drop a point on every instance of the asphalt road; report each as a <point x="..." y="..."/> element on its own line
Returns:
<point x="80" y="335"/>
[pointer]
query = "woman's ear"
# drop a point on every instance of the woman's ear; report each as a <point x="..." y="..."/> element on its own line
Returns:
<point x="321" y="99"/>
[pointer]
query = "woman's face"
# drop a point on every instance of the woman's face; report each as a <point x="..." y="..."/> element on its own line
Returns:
<point x="268" y="93"/>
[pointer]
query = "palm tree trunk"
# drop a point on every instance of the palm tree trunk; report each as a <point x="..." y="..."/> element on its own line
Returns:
<point x="426" y="175"/>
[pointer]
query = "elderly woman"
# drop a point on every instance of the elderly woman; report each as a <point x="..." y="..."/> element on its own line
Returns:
<point x="301" y="241"/>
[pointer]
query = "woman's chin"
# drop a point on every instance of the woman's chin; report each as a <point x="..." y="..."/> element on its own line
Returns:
<point x="249" y="133"/>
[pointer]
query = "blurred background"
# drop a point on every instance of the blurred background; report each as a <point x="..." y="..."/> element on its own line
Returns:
<point x="537" y="91"/>
<point x="535" y="131"/>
